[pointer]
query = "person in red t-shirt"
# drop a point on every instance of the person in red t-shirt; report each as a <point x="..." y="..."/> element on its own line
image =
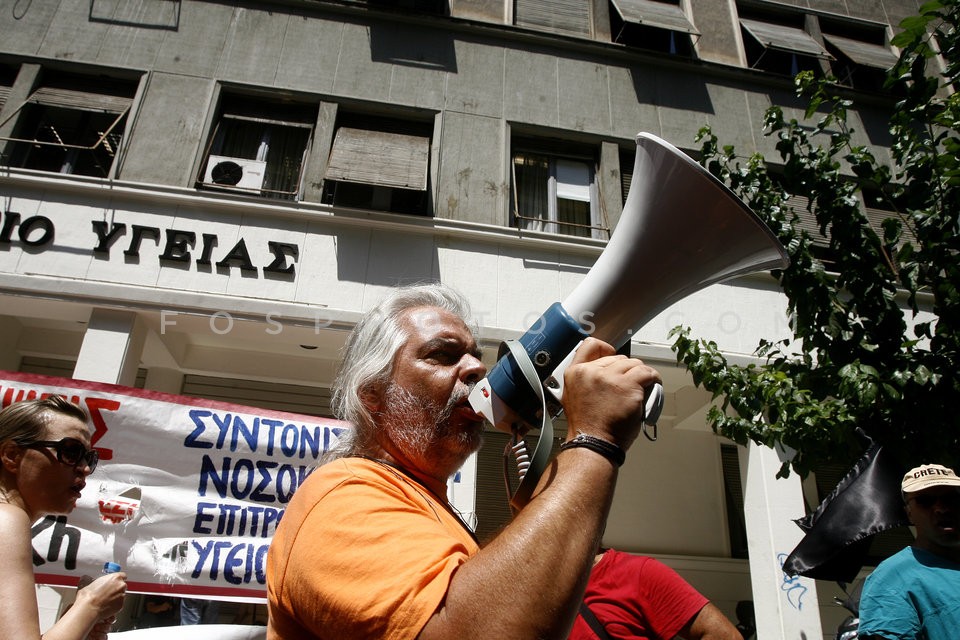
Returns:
<point x="639" y="598"/>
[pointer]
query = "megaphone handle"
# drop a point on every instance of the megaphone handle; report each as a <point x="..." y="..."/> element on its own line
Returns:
<point x="541" y="455"/>
<point x="653" y="409"/>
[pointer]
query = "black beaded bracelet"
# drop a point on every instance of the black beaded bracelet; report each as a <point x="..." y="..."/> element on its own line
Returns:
<point x="608" y="450"/>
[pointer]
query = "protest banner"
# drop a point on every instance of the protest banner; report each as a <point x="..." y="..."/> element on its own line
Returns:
<point x="188" y="492"/>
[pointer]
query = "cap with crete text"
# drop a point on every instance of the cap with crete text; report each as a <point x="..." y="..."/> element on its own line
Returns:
<point x="929" y="475"/>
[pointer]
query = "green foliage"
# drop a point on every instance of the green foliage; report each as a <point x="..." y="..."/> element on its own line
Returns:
<point x="877" y="329"/>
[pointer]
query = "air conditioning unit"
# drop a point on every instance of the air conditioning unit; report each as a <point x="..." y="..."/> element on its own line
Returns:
<point x="235" y="172"/>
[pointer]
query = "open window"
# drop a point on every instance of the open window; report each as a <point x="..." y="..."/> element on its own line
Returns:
<point x="71" y="124"/>
<point x="861" y="51"/>
<point x="258" y="146"/>
<point x="657" y="25"/>
<point x="554" y="192"/>
<point x="788" y="40"/>
<point x="779" y="41"/>
<point x="379" y="163"/>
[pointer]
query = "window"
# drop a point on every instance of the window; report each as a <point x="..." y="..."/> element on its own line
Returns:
<point x="555" y="193"/>
<point x="258" y="146"/>
<point x="786" y="41"/>
<point x="71" y="124"/>
<point x="422" y="6"/>
<point x="733" y="498"/>
<point x="779" y="42"/>
<point x="861" y="53"/>
<point x="627" y="161"/>
<point x="379" y="163"/>
<point x="570" y="17"/>
<point x="658" y="25"/>
<point x="807" y="222"/>
<point x="7" y="76"/>
<point x="875" y="209"/>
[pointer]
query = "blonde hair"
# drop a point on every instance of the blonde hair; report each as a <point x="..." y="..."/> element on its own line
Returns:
<point x="25" y="421"/>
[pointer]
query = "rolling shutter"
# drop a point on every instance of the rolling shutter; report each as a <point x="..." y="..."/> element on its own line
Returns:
<point x="63" y="368"/>
<point x="493" y="505"/>
<point x="294" y="398"/>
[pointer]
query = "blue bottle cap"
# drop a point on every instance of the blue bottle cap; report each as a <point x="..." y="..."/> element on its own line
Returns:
<point x="111" y="567"/>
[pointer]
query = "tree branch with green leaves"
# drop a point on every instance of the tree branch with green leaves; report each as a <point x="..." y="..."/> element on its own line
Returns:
<point x="874" y="309"/>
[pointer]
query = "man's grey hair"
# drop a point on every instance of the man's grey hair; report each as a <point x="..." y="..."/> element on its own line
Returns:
<point x="369" y="356"/>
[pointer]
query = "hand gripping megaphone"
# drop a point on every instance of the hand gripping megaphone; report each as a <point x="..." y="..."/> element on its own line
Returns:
<point x="681" y="230"/>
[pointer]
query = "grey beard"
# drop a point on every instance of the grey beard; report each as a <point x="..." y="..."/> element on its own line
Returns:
<point x="418" y="426"/>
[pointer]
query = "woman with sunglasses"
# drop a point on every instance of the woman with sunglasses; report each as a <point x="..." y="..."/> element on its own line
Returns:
<point x="45" y="458"/>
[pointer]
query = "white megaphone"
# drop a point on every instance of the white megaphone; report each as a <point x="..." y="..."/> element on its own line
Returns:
<point x="681" y="230"/>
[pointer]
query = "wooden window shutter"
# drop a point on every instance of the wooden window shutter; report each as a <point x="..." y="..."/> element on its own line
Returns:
<point x="651" y="13"/>
<point x="783" y="38"/>
<point x="82" y="100"/>
<point x="863" y="53"/>
<point x="379" y="158"/>
<point x="565" y="16"/>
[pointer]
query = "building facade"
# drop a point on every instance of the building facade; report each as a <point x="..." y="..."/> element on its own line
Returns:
<point x="202" y="197"/>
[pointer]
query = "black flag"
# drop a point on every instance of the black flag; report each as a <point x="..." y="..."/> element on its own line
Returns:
<point x="838" y="534"/>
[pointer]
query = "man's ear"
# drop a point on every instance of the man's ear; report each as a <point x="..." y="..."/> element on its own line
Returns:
<point x="372" y="398"/>
<point x="10" y="454"/>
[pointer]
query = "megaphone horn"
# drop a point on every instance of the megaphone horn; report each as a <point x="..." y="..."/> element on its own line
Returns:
<point x="681" y="230"/>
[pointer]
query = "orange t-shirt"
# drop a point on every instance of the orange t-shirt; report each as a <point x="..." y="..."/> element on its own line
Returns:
<point x="362" y="551"/>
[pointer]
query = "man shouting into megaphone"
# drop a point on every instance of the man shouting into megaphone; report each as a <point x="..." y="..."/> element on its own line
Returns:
<point x="369" y="546"/>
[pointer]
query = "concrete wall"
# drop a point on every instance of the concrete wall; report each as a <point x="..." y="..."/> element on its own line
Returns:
<point x="478" y="78"/>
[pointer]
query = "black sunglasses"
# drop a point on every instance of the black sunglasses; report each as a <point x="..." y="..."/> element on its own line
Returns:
<point x="70" y="451"/>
